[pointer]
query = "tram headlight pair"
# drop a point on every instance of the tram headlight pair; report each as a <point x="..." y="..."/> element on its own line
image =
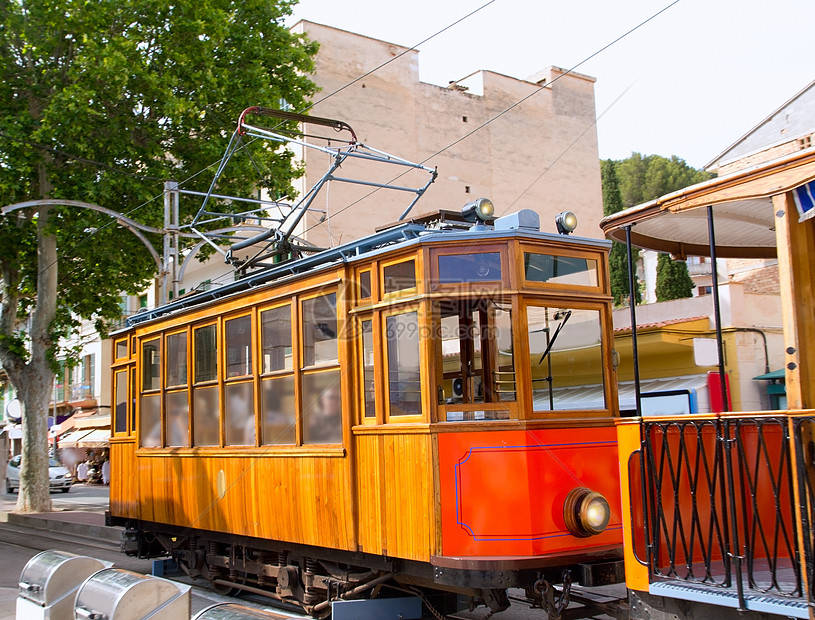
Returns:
<point x="585" y="512"/>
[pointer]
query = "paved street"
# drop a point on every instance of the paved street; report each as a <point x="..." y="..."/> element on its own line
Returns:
<point x="85" y="505"/>
<point x="19" y="543"/>
<point x="84" y="497"/>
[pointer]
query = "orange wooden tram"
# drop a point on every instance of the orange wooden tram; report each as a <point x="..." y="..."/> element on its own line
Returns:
<point x="432" y="405"/>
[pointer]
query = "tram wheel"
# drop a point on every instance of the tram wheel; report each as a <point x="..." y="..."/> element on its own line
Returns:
<point x="225" y="589"/>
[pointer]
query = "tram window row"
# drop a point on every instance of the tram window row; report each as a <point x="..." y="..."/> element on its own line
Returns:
<point x="279" y="373"/>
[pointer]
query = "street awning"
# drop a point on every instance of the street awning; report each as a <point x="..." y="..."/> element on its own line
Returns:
<point x="98" y="438"/>
<point x="69" y="440"/>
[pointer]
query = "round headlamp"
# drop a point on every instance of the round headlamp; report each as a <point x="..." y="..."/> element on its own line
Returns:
<point x="585" y="512"/>
<point x="566" y="222"/>
<point x="481" y="209"/>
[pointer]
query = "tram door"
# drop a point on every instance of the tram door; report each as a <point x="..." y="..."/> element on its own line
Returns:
<point x="476" y="341"/>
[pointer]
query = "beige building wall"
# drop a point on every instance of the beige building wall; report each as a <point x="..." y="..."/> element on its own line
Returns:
<point x="540" y="155"/>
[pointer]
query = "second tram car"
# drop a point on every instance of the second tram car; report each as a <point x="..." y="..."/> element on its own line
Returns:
<point x="431" y="406"/>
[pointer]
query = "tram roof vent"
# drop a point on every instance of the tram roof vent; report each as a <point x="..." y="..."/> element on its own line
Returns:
<point x="525" y="219"/>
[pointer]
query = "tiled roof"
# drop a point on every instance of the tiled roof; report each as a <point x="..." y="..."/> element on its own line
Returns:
<point x="658" y="324"/>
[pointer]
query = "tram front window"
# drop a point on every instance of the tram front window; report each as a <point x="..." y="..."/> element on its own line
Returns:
<point x="565" y="358"/>
<point x="477" y="355"/>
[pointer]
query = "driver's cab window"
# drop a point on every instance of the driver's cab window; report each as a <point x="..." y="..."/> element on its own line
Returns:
<point x="565" y="358"/>
<point x="477" y="357"/>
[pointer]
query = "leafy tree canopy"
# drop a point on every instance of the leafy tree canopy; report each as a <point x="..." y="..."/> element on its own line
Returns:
<point x="632" y="181"/>
<point x="645" y="177"/>
<point x="101" y="101"/>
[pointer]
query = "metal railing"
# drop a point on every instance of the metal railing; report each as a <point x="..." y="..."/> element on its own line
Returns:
<point x="728" y="502"/>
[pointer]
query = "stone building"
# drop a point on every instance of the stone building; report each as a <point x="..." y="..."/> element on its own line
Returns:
<point x="540" y="154"/>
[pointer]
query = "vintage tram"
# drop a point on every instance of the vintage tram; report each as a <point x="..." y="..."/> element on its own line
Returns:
<point x="432" y="406"/>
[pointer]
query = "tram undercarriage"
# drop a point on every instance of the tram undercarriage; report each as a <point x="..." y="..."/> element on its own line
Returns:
<point x="309" y="578"/>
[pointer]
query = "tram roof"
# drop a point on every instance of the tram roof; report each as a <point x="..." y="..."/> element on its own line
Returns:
<point x="742" y="208"/>
<point x="392" y="239"/>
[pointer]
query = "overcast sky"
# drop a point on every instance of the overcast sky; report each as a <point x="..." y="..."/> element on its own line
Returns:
<point x="688" y="83"/>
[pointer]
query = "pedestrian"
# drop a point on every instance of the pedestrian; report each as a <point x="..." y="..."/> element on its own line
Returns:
<point x="82" y="472"/>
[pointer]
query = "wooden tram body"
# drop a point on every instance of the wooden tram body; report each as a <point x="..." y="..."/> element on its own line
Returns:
<point x="473" y="394"/>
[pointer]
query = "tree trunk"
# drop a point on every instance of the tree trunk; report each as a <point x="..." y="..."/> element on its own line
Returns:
<point x="34" y="494"/>
<point x="37" y="377"/>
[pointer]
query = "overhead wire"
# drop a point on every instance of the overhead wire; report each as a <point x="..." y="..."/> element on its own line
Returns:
<point x="509" y="108"/>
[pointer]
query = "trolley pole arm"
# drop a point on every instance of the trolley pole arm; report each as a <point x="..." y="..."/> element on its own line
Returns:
<point x="298" y="118"/>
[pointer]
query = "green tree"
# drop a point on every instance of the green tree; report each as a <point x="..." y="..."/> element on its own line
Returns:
<point x="673" y="280"/>
<point x="618" y="257"/>
<point x="646" y="177"/>
<point x="99" y="102"/>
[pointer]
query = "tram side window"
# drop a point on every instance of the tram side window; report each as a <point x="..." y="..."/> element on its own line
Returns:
<point x="150" y="422"/>
<point x="365" y="284"/>
<point x="120" y="412"/>
<point x="240" y="414"/>
<point x="206" y="419"/>
<point x="566" y="359"/>
<point x="177" y="359"/>
<point x="133" y="392"/>
<point x="399" y="276"/>
<point x="404" y="375"/>
<point x="322" y="408"/>
<point x="150" y="427"/>
<point x="368" y="377"/>
<point x="477" y="356"/>
<point x="238" y="346"/>
<point x="151" y="365"/>
<point x="178" y="419"/>
<point x="320" y="330"/>
<point x="477" y="267"/>
<point x="275" y="325"/>
<point x="239" y="398"/>
<point x="177" y="411"/>
<point x="321" y="394"/>
<point x="553" y="269"/>
<point x="278" y="419"/>
<point x="206" y="398"/>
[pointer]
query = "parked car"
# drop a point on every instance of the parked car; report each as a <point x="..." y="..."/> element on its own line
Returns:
<point x="60" y="477"/>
